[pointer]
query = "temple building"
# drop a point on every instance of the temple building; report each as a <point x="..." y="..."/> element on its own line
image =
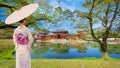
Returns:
<point x="41" y="36"/>
<point x="61" y="34"/>
<point x="81" y="35"/>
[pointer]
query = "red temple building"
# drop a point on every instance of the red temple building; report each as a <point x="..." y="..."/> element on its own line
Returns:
<point x="60" y="34"/>
<point x="81" y="35"/>
<point x="41" y="36"/>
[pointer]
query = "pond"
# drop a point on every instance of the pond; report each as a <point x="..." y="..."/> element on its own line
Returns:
<point x="68" y="51"/>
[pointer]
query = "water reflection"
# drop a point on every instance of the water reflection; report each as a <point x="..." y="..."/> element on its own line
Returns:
<point x="114" y="50"/>
<point x="64" y="50"/>
<point x="40" y="50"/>
<point x="67" y="50"/>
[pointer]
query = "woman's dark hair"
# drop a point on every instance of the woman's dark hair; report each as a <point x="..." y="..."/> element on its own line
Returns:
<point x="21" y="21"/>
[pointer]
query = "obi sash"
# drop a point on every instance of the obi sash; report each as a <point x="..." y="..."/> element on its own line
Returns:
<point x="21" y="39"/>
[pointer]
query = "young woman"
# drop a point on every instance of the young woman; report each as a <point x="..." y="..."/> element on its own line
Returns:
<point x="23" y="40"/>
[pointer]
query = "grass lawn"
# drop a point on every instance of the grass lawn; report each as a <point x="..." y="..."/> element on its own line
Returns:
<point x="68" y="63"/>
<point x="6" y="49"/>
<point x="7" y="60"/>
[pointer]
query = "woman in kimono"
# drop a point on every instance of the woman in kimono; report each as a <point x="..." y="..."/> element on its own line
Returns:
<point x="23" y="40"/>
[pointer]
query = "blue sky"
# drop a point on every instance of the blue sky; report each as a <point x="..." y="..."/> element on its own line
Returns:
<point x="1" y="12"/>
<point x="72" y="5"/>
<point x="68" y="4"/>
<point x="64" y="4"/>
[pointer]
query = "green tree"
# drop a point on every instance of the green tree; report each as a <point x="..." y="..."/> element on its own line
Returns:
<point x="114" y="35"/>
<point x="8" y="6"/>
<point x="117" y="26"/>
<point x="6" y="33"/>
<point x="103" y="13"/>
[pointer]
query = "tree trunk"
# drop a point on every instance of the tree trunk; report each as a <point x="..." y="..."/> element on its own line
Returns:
<point x="103" y="47"/>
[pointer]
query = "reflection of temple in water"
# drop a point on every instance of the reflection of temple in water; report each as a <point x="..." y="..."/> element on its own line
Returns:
<point x="60" y="48"/>
<point x="61" y="44"/>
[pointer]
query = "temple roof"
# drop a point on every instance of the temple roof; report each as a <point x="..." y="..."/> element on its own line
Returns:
<point x="60" y="31"/>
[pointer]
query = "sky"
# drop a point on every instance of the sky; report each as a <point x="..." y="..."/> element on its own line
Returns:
<point x="72" y="5"/>
<point x="68" y="4"/>
<point x="2" y="18"/>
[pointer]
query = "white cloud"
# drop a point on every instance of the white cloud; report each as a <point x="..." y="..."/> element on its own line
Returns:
<point x="66" y="6"/>
<point x="63" y="5"/>
<point x="72" y="8"/>
<point x="54" y="3"/>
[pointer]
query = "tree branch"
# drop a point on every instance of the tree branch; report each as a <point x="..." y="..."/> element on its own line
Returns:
<point x="2" y="26"/>
<point x="108" y="28"/>
<point x="106" y="15"/>
<point x="7" y="6"/>
<point x="45" y="18"/>
<point x="115" y="13"/>
<point x="91" y="20"/>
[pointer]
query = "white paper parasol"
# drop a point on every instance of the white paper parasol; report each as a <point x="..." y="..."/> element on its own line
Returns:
<point x="21" y="13"/>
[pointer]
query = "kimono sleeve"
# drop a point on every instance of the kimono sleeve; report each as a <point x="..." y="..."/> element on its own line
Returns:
<point x="14" y="39"/>
<point x="30" y="38"/>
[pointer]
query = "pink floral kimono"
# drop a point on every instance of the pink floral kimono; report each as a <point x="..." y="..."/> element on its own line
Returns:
<point x="23" y="40"/>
